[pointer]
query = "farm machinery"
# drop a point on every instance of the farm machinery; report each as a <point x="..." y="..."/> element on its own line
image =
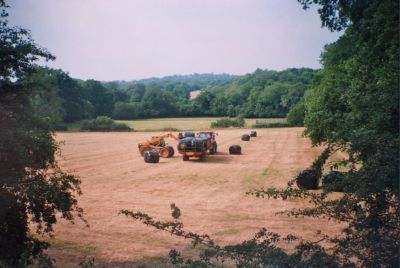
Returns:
<point x="158" y="144"/>
<point x="198" y="146"/>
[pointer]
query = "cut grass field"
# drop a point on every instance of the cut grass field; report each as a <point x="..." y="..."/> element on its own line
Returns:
<point x="211" y="195"/>
<point x="180" y="124"/>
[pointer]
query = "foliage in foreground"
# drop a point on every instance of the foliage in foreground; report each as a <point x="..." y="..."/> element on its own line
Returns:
<point x="103" y="123"/>
<point x="355" y="108"/>
<point x="260" y="251"/>
<point x="33" y="189"/>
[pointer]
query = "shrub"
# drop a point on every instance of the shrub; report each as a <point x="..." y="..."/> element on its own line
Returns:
<point x="228" y="122"/>
<point x="169" y="129"/>
<point x="104" y="123"/>
<point x="272" y="125"/>
<point x="59" y="126"/>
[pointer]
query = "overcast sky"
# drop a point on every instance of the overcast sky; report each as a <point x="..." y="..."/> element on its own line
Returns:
<point x="134" y="39"/>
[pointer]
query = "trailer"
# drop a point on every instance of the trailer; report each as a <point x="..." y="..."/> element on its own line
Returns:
<point x="198" y="146"/>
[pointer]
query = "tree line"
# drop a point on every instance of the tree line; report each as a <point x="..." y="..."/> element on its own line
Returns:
<point x="263" y="93"/>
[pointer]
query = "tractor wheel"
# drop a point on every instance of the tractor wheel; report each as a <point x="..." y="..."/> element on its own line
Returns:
<point x="235" y="149"/>
<point x="213" y="149"/>
<point x="164" y="152"/>
<point x="185" y="158"/>
<point x="151" y="156"/>
<point x="171" y="151"/>
<point x="144" y="149"/>
<point x="245" y="137"/>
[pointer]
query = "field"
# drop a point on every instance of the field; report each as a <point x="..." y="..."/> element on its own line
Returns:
<point x="184" y="123"/>
<point x="211" y="195"/>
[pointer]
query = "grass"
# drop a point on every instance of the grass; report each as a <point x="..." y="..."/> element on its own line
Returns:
<point x="75" y="126"/>
<point x="272" y="125"/>
<point x="175" y="124"/>
<point x="65" y="245"/>
<point x="156" y="261"/>
<point x="265" y="172"/>
<point x="252" y="182"/>
<point x="181" y="124"/>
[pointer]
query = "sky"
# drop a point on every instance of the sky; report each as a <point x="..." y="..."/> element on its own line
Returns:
<point x="134" y="39"/>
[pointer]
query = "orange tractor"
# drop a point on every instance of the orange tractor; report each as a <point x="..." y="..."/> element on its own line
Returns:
<point x="158" y="144"/>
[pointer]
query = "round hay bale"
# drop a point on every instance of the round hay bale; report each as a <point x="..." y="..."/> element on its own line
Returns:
<point x="197" y="145"/>
<point x="188" y="134"/>
<point x="151" y="156"/>
<point x="184" y="143"/>
<point x="253" y="134"/>
<point x="307" y="179"/>
<point x="235" y="149"/>
<point x="245" y="137"/>
<point x="333" y="181"/>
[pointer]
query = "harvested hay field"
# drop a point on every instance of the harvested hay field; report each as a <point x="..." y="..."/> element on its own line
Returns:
<point x="211" y="195"/>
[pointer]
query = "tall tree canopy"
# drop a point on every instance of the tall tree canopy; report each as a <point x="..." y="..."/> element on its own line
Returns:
<point x="355" y="108"/>
<point x="32" y="186"/>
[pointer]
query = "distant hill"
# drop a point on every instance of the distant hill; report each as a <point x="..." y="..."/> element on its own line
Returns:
<point x="197" y="81"/>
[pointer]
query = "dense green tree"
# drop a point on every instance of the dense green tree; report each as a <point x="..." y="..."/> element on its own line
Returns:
<point x="75" y="104"/>
<point x="137" y="92"/>
<point x="32" y="187"/>
<point x="68" y="103"/>
<point x="296" y="115"/>
<point x="100" y="97"/>
<point x="44" y="87"/>
<point x="125" y="111"/>
<point x="263" y="93"/>
<point x="157" y="102"/>
<point x="356" y="109"/>
<point x="204" y="102"/>
<point x="120" y="96"/>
